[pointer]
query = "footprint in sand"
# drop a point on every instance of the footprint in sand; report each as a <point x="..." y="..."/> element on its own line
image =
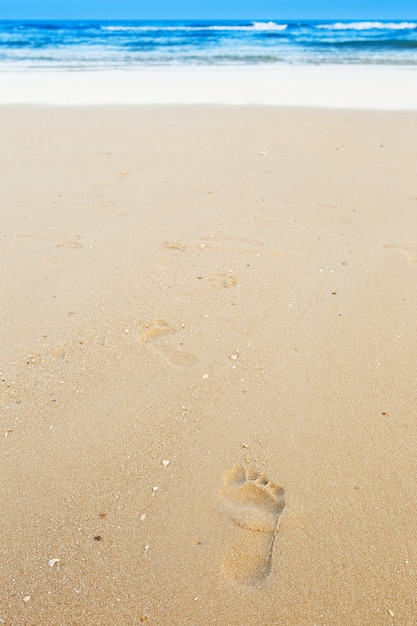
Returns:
<point x="156" y="332"/>
<point x="172" y="245"/>
<point x="178" y="356"/>
<point x="408" y="251"/>
<point x="224" y="281"/>
<point x="70" y="244"/>
<point x="255" y="505"/>
<point x="157" y="328"/>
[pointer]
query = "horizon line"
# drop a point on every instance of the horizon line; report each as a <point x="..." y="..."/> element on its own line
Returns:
<point x="208" y="19"/>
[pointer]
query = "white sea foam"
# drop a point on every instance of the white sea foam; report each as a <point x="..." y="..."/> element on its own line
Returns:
<point x="162" y="27"/>
<point x="372" y="87"/>
<point x="269" y="26"/>
<point x="369" y="26"/>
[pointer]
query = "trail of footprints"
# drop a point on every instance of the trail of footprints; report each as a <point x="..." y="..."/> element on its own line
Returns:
<point x="253" y="501"/>
<point x="255" y="504"/>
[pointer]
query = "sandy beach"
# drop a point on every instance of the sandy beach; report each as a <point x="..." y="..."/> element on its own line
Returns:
<point x="208" y="366"/>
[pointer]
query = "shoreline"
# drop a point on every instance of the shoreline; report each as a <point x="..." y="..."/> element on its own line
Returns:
<point x="337" y="86"/>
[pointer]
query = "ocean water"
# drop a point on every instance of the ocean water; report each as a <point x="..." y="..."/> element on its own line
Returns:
<point x="362" y="64"/>
<point x="129" y="45"/>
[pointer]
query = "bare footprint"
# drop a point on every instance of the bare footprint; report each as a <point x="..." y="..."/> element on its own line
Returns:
<point x="177" y="356"/>
<point x="408" y="251"/>
<point x="171" y="245"/>
<point x="224" y="281"/>
<point x="255" y="505"/>
<point x="156" y="329"/>
<point x="156" y="333"/>
<point x="73" y="244"/>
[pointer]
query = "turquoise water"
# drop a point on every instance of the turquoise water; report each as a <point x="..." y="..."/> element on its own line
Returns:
<point x="97" y="45"/>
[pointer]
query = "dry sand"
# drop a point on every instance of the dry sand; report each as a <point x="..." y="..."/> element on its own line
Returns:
<point x="232" y="290"/>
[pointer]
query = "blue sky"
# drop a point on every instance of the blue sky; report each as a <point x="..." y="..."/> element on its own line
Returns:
<point x="209" y="9"/>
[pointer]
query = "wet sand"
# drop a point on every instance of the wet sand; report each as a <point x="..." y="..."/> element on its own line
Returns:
<point x="208" y="366"/>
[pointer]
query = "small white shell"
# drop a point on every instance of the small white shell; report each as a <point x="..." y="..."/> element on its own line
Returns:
<point x="165" y="462"/>
<point x="53" y="562"/>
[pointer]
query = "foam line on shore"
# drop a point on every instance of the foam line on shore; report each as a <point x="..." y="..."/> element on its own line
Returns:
<point x="364" y="87"/>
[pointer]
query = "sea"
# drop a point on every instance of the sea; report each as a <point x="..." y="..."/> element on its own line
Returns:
<point x="276" y="49"/>
<point x="96" y="45"/>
